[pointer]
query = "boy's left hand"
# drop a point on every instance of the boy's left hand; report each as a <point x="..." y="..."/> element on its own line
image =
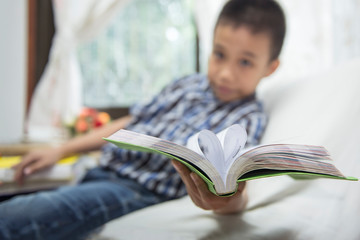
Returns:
<point x="203" y="198"/>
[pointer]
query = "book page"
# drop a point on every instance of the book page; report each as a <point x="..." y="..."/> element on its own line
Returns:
<point x="141" y="142"/>
<point x="220" y="149"/>
<point x="286" y="157"/>
<point x="208" y="145"/>
<point x="233" y="140"/>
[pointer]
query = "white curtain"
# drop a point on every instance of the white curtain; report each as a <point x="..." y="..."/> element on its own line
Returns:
<point x="57" y="98"/>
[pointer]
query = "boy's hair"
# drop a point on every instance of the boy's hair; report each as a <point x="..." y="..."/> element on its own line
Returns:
<point x="260" y="16"/>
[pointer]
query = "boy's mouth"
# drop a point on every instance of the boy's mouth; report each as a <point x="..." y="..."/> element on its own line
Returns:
<point x="221" y="90"/>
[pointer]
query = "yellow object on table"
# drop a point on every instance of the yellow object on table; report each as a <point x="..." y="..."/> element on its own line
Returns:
<point x="9" y="161"/>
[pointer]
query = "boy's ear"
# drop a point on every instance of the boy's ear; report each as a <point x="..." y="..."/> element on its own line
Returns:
<point x="274" y="64"/>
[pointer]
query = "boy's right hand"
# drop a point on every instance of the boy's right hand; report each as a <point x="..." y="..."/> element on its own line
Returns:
<point x="203" y="198"/>
<point x="35" y="161"/>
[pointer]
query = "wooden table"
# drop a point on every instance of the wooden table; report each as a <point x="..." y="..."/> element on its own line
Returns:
<point x="22" y="148"/>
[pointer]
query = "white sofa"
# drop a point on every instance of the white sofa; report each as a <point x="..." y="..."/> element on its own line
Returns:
<point x="322" y="109"/>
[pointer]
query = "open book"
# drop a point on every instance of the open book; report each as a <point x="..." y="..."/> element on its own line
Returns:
<point x="221" y="160"/>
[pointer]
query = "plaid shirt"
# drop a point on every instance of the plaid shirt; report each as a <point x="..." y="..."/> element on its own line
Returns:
<point x="182" y="108"/>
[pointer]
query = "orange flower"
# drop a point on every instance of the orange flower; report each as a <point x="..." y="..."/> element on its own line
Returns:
<point x="87" y="120"/>
<point x="81" y="125"/>
<point x="103" y="117"/>
<point x="88" y="112"/>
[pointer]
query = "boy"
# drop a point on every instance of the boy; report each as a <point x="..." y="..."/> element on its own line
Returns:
<point x="247" y="42"/>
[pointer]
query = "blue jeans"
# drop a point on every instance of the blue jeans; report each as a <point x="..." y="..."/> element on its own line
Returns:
<point x="72" y="212"/>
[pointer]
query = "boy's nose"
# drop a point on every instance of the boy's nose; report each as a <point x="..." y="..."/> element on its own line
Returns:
<point x="226" y="74"/>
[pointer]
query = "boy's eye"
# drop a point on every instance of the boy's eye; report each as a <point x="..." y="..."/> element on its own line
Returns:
<point x="218" y="54"/>
<point x="244" y="63"/>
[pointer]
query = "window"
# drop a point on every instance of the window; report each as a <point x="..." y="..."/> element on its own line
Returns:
<point x="148" y="44"/>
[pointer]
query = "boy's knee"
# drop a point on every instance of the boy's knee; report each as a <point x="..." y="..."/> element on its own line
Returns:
<point x="44" y="215"/>
<point x="23" y="217"/>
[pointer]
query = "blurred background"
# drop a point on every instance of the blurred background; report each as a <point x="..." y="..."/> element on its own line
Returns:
<point x="61" y="55"/>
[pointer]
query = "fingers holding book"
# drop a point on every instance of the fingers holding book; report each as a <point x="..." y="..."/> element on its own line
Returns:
<point x="203" y="198"/>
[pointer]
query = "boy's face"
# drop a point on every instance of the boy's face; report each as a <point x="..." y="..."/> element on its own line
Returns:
<point x="239" y="60"/>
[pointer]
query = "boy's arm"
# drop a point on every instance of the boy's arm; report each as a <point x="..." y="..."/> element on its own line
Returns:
<point x="203" y="198"/>
<point x="40" y="159"/>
